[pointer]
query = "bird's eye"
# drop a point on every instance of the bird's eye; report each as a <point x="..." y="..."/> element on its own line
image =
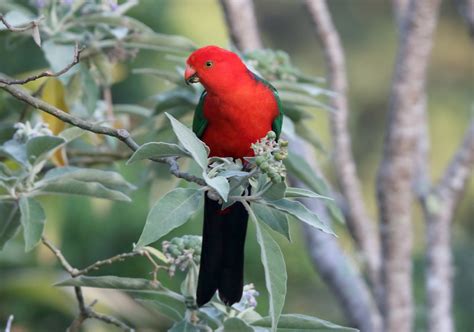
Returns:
<point x="209" y="64"/>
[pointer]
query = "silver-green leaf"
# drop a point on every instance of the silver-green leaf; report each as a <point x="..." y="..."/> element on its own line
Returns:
<point x="38" y="146"/>
<point x="299" y="211"/>
<point x="190" y="142"/>
<point x="9" y="222"/>
<point x="299" y="323"/>
<point x="278" y="221"/>
<point x="32" y="220"/>
<point x="275" y="269"/>
<point x="157" y="150"/>
<point x="171" y="211"/>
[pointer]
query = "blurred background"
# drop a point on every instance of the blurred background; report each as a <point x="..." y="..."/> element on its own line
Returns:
<point x="90" y="229"/>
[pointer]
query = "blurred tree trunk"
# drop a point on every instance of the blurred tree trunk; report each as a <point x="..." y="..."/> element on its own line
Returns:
<point x="403" y="176"/>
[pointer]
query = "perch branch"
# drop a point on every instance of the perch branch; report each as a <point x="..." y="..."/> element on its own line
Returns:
<point x="121" y="134"/>
<point x="47" y="73"/>
<point x="398" y="166"/>
<point x="86" y="311"/>
<point x="360" y="224"/>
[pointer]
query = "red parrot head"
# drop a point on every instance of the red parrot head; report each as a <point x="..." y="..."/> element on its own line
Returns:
<point x="215" y="68"/>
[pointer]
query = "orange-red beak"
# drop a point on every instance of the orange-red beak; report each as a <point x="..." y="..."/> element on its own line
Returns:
<point x="190" y="75"/>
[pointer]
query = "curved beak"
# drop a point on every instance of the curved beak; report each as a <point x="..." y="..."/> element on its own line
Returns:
<point x="190" y="75"/>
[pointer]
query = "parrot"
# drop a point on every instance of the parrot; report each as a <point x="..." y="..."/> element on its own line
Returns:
<point x="236" y="109"/>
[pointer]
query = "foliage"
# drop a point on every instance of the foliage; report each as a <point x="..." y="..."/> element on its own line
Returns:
<point x="30" y="166"/>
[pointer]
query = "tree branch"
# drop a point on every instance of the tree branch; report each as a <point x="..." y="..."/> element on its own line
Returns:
<point x="28" y="26"/>
<point x="121" y="134"/>
<point x="397" y="169"/>
<point x="439" y="207"/>
<point x="360" y="225"/>
<point x="86" y="311"/>
<point x="75" y="61"/>
<point x="336" y="270"/>
<point x="242" y="24"/>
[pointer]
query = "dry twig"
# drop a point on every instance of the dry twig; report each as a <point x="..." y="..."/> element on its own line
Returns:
<point x="86" y="311"/>
<point x="75" y="61"/>
<point x="28" y="26"/>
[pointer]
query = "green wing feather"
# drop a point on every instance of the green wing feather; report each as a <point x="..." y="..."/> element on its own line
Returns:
<point x="278" y="122"/>
<point x="200" y="121"/>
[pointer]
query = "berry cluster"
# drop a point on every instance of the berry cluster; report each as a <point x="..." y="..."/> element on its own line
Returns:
<point x="180" y="251"/>
<point x="269" y="156"/>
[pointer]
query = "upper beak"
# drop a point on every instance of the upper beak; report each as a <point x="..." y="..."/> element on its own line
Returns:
<point x="190" y="75"/>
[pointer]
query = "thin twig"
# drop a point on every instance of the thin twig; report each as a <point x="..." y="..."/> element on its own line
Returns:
<point x="25" y="27"/>
<point x="121" y="134"/>
<point x="86" y="311"/>
<point x="47" y="73"/>
<point x="108" y="261"/>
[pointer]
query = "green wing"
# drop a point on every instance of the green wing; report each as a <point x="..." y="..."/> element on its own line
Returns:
<point x="278" y="122"/>
<point x="199" y="121"/>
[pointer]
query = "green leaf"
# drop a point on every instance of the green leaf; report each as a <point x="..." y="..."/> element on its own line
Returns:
<point x="234" y="324"/>
<point x="75" y="187"/>
<point x="110" y="180"/>
<point x="111" y="282"/>
<point x="9" y="222"/>
<point x="70" y="134"/>
<point x="219" y="184"/>
<point x="157" y="150"/>
<point x="299" y="211"/>
<point x="293" y="192"/>
<point x="171" y="211"/>
<point x="166" y="302"/>
<point x="275" y="192"/>
<point x="36" y="147"/>
<point x="190" y="142"/>
<point x="300" y="168"/>
<point x="132" y="110"/>
<point x="164" y="309"/>
<point x="32" y="220"/>
<point x="297" y="323"/>
<point x="184" y="326"/>
<point x="275" y="269"/>
<point x="277" y="220"/>
<point x="16" y="151"/>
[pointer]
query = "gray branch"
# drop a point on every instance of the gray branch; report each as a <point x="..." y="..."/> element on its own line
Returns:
<point x="242" y="24"/>
<point x="335" y="268"/>
<point x="121" y="134"/>
<point x="438" y="208"/>
<point x="398" y="166"/>
<point x="360" y="224"/>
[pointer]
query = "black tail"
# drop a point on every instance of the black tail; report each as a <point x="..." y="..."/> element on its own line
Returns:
<point x="222" y="255"/>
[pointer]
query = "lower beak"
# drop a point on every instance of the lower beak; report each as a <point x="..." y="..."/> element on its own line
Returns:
<point x="190" y="75"/>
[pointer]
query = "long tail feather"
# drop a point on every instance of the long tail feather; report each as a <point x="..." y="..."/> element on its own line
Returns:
<point x="222" y="255"/>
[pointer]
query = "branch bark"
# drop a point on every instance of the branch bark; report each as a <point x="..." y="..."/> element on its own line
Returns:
<point x="439" y="207"/>
<point x="121" y="134"/>
<point x="86" y="311"/>
<point x="398" y="166"/>
<point x="242" y="24"/>
<point x="336" y="270"/>
<point x="360" y="224"/>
